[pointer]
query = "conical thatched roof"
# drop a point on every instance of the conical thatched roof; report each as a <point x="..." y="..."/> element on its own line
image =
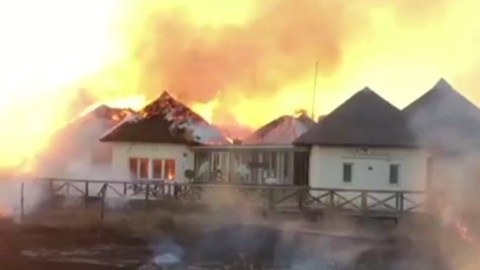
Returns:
<point x="364" y="120"/>
<point x="444" y="119"/>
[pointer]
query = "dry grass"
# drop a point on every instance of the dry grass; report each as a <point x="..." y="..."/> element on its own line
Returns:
<point x="136" y="224"/>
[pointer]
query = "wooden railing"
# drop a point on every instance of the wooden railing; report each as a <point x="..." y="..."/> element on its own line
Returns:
<point x="268" y="197"/>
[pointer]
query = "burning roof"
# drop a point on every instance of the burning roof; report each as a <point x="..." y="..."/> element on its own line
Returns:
<point x="283" y="130"/>
<point x="443" y="119"/>
<point x="87" y="128"/>
<point x="81" y="135"/>
<point x="366" y="119"/>
<point x="166" y="120"/>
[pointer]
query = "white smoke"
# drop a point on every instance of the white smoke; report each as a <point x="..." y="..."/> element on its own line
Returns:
<point x="20" y="197"/>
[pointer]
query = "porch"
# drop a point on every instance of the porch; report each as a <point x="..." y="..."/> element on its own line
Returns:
<point x="252" y="164"/>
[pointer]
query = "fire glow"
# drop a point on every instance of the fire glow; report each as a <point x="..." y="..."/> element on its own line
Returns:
<point x="240" y="63"/>
<point x="463" y="232"/>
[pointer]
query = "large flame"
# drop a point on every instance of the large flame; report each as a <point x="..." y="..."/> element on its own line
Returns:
<point x="235" y="62"/>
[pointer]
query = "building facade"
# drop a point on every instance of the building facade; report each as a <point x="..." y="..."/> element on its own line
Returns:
<point x="365" y="145"/>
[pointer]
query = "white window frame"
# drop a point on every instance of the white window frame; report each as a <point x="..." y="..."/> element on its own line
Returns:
<point x="164" y="169"/>
<point x="137" y="165"/>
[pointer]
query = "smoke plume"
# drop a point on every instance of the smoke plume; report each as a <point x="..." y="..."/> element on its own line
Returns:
<point x="266" y="57"/>
<point x="236" y="63"/>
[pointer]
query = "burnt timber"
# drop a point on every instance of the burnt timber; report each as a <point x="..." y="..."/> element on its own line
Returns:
<point x="267" y="198"/>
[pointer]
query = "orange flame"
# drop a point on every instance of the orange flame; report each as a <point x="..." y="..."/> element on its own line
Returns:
<point x="243" y="62"/>
<point x="463" y="231"/>
<point x="135" y="102"/>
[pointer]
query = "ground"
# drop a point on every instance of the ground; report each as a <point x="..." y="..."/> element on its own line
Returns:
<point x="74" y="238"/>
<point x="22" y="249"/>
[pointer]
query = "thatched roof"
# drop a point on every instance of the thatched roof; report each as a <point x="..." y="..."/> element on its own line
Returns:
<point x="282" y="130"/>
<point x="154" y="129"/>
<point x="165" y="120"/>
<point x="364" y="120"/>
<point x="444" y="119"/>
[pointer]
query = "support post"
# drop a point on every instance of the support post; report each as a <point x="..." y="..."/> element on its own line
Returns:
<point x="147" y="197"/>
<point x="300" y="198"/>
<point x="270" y="198"/>
<point x="86" y="195"/>
<point x="102" y="203"/>
<point x="22" y="201"/>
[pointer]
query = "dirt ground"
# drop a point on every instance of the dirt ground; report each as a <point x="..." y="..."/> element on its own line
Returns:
<point x="61" y="247"/>
<point x="27" y="250"/>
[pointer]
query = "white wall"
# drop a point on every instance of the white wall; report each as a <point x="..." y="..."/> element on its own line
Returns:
<point x="370" y="170"/>
<point x="183" y="156"/>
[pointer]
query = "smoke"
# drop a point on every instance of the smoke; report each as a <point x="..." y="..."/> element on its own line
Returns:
<point x="20" y="196"/>
<point x="261" y="54"/>
<point x="244" y="239"/>
<point x="447" y="127"/>
<point x="240" y="59"/>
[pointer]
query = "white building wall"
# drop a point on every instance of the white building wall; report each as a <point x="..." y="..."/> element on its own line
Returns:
<point x="370" y="171"/>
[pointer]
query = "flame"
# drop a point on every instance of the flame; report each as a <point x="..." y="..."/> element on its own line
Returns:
<point x="48" y="48"/>
<point x="242" y="62"/>
<point x="463" y="231"/>
<point x="135" y="103"/>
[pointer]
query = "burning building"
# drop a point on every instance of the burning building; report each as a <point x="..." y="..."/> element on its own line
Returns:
<point x="283" y="130"/>
<point x="444" y="121"/>
<point x="267" y="156"/>
<point x="74" y="151"/>
<point x="155" y="142"/>
<point x="448" y="125"/>
<point x="365" y="143"/>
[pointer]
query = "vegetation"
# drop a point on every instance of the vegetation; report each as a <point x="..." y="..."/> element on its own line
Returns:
<point x="138" y="224"/>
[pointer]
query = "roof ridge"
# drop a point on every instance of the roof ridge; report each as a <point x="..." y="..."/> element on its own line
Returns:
<point x="365" y="119"/>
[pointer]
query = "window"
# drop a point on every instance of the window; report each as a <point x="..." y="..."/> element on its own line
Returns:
<point x="139" y="167"/>
<point x="170" y="169"/>
<point x="347" y="172"/>
<point x="394" y="172"/>
<point x="157" y="169"/>
<point x="132" y="164"/>
<point x="163" y="169"/>
<point x="143" y="164"/>
<point x="144" y="168"/>
<point x="215" y="161"/>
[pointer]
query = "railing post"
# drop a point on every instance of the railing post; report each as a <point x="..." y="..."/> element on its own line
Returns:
<point x="86" y="195"/>
<point x="401" y="201"/>
<point x="331" y="196"/>
<point x="270" y="198"/>
<point x="300" y="198"/>
<point x="364" y="203"/>
<point x="22" y="201"/>
<point x="147" y="197"/>
<point x="102" y="203"/>
<point x="397" y="201"/>
<point x="52" y="193"/>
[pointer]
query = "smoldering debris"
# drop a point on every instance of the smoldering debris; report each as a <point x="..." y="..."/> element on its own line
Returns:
<point x="263" y="247"/>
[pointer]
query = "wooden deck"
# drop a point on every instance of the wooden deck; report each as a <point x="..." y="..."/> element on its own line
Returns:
<point x="287" y="199"/>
